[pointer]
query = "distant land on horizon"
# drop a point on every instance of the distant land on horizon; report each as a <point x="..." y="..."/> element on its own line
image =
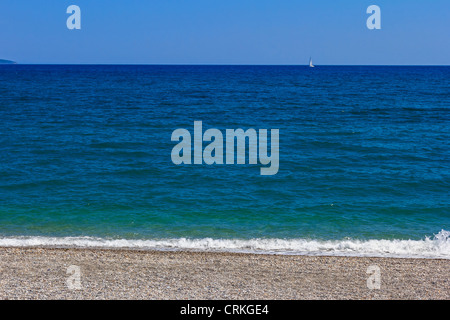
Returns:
<point x="2" y="61"/>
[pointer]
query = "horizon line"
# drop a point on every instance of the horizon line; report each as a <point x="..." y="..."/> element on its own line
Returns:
<point x="229" y="64"/>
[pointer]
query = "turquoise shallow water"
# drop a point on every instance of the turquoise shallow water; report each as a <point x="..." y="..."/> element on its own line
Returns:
<point x="85" y="152"/>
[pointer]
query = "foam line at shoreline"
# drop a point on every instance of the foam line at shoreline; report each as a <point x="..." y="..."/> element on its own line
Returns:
<point x="437" y="247"/>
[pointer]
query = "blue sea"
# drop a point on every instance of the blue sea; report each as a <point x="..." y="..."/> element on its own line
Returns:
<point x="364" y="159"/>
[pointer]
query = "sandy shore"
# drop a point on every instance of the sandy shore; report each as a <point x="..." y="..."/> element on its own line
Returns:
<point x="32" y="273"/>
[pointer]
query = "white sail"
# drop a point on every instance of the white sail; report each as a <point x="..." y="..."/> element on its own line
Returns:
<point x="310" y="63"/>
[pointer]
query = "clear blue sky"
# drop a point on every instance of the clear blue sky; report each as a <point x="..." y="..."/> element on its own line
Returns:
<point x="226" y="32"/>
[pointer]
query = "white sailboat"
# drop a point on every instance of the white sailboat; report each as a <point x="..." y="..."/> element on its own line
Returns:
<point x="310" y="63"/>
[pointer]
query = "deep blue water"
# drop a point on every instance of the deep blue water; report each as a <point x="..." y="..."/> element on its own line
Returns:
<point x="86" y="151"/>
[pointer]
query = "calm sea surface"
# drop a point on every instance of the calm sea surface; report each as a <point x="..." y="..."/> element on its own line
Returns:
<point x="85" y="158"/>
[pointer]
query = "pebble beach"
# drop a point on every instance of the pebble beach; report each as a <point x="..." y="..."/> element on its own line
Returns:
<point x="42" y="273"/>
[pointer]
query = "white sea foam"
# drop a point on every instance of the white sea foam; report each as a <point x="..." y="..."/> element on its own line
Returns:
<point x="436" y="247"/>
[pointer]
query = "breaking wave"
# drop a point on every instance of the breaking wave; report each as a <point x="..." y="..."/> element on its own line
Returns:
<point x="435" y="247"/>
